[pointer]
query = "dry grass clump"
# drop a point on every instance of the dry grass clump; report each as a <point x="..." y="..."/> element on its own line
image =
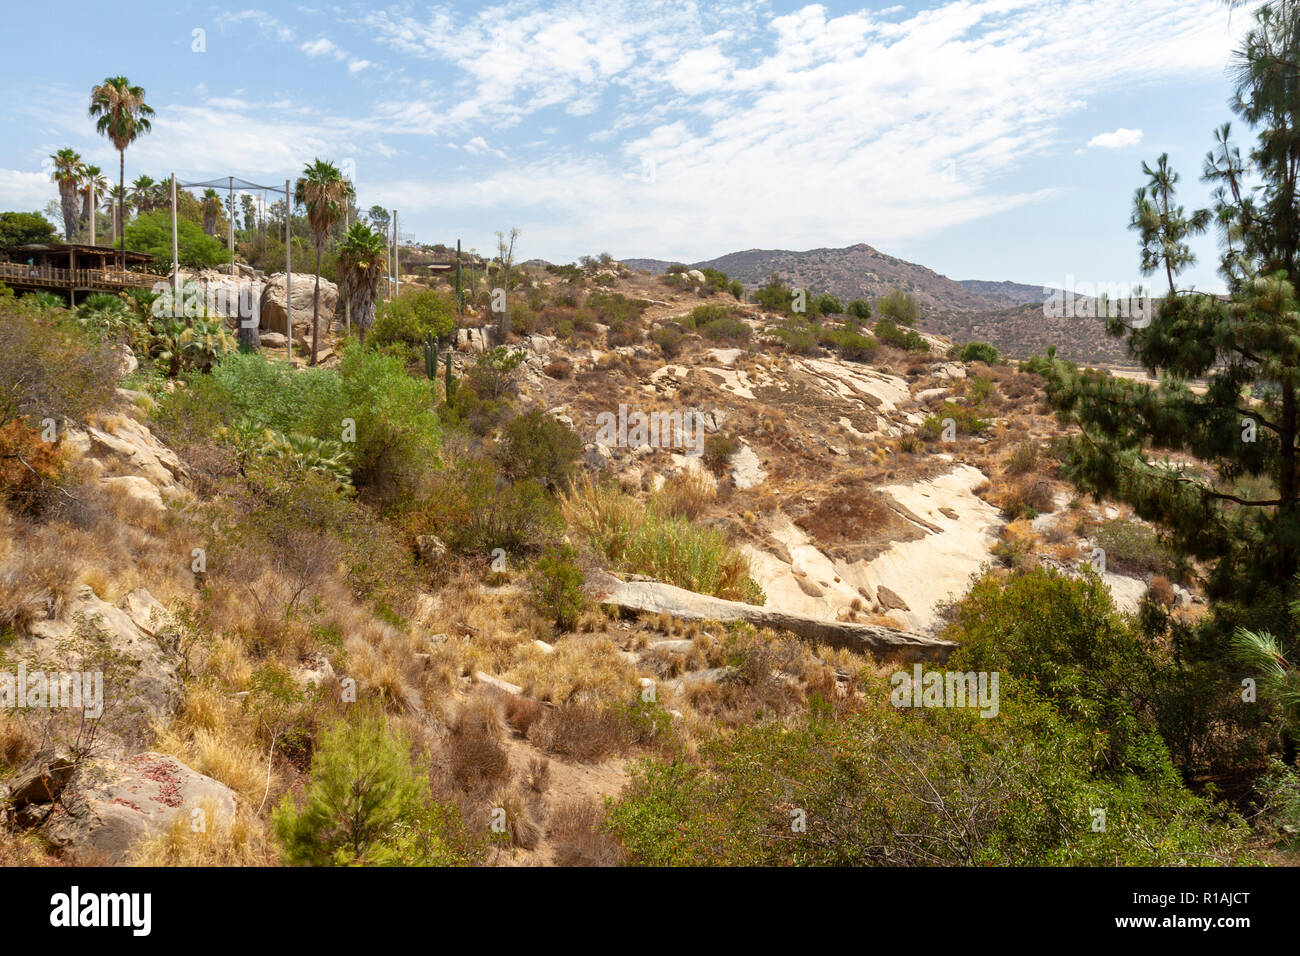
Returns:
<point x="521" y="827"/>
<point x="240" y="840"/>
<point x="575" y="834"/>
<point x="477" y="756"/>
<point x="522" y="712"/>
<point x="578" y="669"/>
<point x="36" y="576"/>
<point x="686" y="494"/>
<point x="18" y="741"/>
<point x="1025" y="498"/>
<point x="581" y="732"/>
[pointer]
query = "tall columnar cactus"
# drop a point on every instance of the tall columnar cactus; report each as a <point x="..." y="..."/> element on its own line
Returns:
<point x="431" y="357"/>
<point x="451" y="382"/>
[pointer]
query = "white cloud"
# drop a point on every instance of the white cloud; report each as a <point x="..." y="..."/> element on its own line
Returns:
<point x="358" y="64"/>
<point x="25" y="191"/>
<point x="1119" y="139"/>
<point x="320" y="47"/>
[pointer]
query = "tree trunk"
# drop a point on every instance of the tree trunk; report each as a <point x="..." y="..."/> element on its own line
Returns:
<point x="121" y="208"/>
<point x="1287" y="480"/>
<point x="315" y="309"/>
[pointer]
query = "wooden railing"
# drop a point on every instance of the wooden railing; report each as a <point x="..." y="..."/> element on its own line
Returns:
<point x="16" y="273"/>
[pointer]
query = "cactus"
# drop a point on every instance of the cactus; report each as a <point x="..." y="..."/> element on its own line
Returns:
<point x="431" y="357"/>
<point x="451" y="382"/>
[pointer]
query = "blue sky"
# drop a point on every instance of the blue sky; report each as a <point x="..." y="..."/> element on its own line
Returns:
<point x="992" y="139"/>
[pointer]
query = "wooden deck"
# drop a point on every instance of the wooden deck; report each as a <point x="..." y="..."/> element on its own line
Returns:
<point x="24" y="276"/>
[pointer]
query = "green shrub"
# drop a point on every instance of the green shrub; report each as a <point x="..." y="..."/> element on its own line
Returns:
<point x="556" y="586"/>
<point x="979" y="352"/>
<point x="49" y="366"/>
<point x="1131" y="547"/>
<point x="859" y="309"/>
<point x="826" y="304"/>
<point x="909" y="340"/>
<point x="980" y="389"/>
<point x="899" y="306"/>
<point x="796" y="335"/>
<point x="718" y="452"/>
<point x="775" y="295"/>
<point x="965" y="421"/>
<point x="850" y="345"/>
<point x="729" y="329"/>
<point x="535" y="445"/>
<point x="409" y="318"/>
<point x="669" y="339"/>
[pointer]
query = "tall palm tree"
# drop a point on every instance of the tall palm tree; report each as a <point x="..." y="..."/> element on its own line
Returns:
<point x="362" y="257"/>
<point x="323" y="190"/>
<point x="144" y="194"/>
<point x="121" y="114"/>
<point x="211" y="206"/>
<point x="93" y="185"/>
<point x="67" y="173"/>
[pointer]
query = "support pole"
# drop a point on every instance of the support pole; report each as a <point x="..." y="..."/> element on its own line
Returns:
<point x="347" y="304"/>
<point x="176" y="254"/>
<point x="397" y="265"/>
<point x="93" y="210"/>
<point x="231" y="212"/>
<point x="288" y="273"/>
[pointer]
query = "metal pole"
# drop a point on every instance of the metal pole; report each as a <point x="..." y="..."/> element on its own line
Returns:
<point x="288" y="274"/>
<point x="397" y="265"/>
<point x="176" y="254"/>
<point x="93" y="210"/>
<point x="231" y="212"/>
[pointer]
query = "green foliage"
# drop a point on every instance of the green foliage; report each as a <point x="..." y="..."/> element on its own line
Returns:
<point x="534" y="445"/>
<point x="797" y="336"/>
<point x="964" y="419"/>
<point x="826" y="304"/>
<point x="910" y="340"/>
<point x="980" y="388"/>
<point x="775" y="295"/>
<point x="1131" y="547"/>
<point x="669" y="339"/>
<point x="718" y="452"/>
<point x="23" y="228"/>
<point x="408" y="319"/>
<point x="859" y="309"/>
<point x="979" y="352"/>
<point x="556" y="587"/>
<point x="50" y="367"/>
<point x="493" y="373"/>
<point x="151" y="232"/>
<point x="891" y="787"/>
<point x="900" y="307"/>
<point x="850" y="345"/>
<point x="366" y="805"/>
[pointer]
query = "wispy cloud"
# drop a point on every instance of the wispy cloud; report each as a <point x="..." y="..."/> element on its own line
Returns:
<point x="1118" y="139"/>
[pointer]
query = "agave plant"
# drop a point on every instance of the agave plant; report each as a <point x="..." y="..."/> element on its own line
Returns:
<point x="168" y="345"/>
<point x="204" y="344"/>
<point x="305" y="453"/>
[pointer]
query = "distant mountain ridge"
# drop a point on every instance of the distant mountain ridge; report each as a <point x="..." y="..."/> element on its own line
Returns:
<point x="1007" y="314"/>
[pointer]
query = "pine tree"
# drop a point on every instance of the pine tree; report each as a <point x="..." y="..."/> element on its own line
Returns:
<point x="1237" y="506"/>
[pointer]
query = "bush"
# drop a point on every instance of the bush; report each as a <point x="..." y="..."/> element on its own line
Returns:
<point x="1131" y="547"/>
<point x="964" y="420"/>
<point x="850" y="345"/>
<point x="859" y="309"/>
<point x="669" y="339"/>
<point x="556" y="585"/>
<point x="718" y="452"/>
<point x="729" y="329"/>
<point x="827" y="304"/>
<point x="980" y="352"/>
<point x="887" y="786"/>
<point x="910" y="340"/>
<point x="408" y="319"/>
<point x="535" y="445"/>
<point x="50" y="367"/>
<point x="775" y="295"/>
<point x="796" y="335"/>
<point x="32" y="470"/>
<point x="899" y="306"/>
<point x="152" y="232"/>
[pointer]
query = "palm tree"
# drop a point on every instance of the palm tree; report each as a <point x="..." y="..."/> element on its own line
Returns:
<point x="362" y="256"/>
<point x="323" y="190"/>
<point x="122" y="115"/>
<point x="67" y="173"/>
<point x="93" y="185"/>
<point x="211" y="210"/>
<point x="144" y="194"/>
